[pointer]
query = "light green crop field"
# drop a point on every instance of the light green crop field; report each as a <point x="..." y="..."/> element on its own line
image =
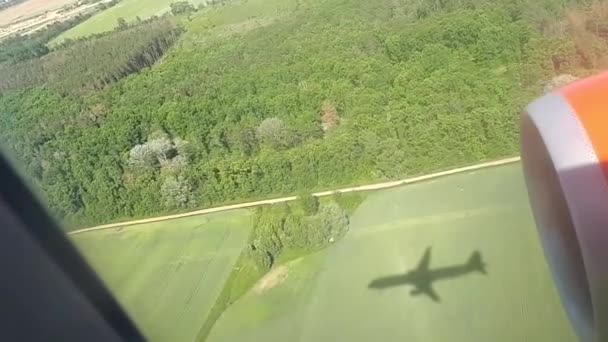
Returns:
<point x="107" y="20"/>
<point x="168" y="274"/>
<point x="325" y="297"/>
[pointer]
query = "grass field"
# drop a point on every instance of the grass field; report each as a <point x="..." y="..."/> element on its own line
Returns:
<point x="217" y="23"/>
<point x="107" y="20"/>
<point x="168" y="274"/>
<point x="325" y="297"/>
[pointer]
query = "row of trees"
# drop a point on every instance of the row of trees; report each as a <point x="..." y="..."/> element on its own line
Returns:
<point x="182" y="7"/>
<point x="20" y="48"/>
<point x="282" y="227"/>
<point x="340" y="93"/>
<point x="94" y="63"/>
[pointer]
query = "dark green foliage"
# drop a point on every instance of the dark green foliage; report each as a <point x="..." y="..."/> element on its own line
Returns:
<point x="267" y="239"/>
<point x="92" y="64"/>
<point x="181" y="7"/>
<point x="275" y="133"/>
<point x="413" y="95"/>
<point x="328" y="226"/>
<point x="21" y="48"/>
<point x="277" y="229"/>
<point x="308" y="203"/>
<point x="17" y="49"/>
<point x="314" y="232"/>
<point x="105" y="5"/>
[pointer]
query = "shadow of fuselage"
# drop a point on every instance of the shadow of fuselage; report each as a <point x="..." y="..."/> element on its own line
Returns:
<point x="422" y="278"/>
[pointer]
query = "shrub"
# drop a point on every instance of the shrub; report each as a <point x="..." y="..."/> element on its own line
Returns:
<point x="328" y="226"/>
<point x="181" y="7"/>
<point x="176" y="192"/>
<point x="309" y="204"/>
<point x="275" y="133"/>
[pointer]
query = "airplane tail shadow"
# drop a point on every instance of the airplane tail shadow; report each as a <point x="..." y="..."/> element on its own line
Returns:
<point x="476" y="263"/>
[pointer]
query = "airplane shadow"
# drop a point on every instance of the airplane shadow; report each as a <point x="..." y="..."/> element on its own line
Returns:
<point x="422" y="277"/>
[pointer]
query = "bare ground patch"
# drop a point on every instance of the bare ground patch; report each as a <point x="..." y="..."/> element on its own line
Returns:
<point x="273" y="278"/>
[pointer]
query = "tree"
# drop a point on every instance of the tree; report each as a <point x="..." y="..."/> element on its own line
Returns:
<point x="181" y="7"/>
<point x="162" y="148"/>
<point x="309" y="204"/>
<point x="244" y="140"/>
<point x="159" y="150"/>
<point x="176" y="192"/>
<point x="121" y="24"/>
<point x="153" y="152"/>
<point x="329" y="225"/>
<point x="88" y="64"/>
<point x="142" y="156"/>
<point x="174" y="165"/>
<point x="275" y="133"/>
<point x="182" y="146"/>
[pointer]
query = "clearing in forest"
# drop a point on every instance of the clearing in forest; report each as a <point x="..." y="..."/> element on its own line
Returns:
<point x="327" y="296"/>
<point x="167" y="275"/>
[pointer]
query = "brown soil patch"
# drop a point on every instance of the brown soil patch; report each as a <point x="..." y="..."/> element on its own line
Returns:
<point x="273" y="278"/>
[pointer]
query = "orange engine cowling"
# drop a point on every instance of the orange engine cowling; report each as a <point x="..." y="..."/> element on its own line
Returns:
<point x="564" y="142"/>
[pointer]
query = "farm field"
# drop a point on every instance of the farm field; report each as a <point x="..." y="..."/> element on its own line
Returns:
<point x="325" y="297"/>
<point x="168" y="274"/>
<point x="107" y="20"/>
<point x="29" y="9"/>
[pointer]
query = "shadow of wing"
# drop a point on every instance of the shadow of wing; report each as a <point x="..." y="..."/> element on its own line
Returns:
<point x="427" y="289"/>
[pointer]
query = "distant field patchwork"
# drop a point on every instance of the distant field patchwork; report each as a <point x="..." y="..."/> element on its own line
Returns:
<point x="127" y="9"/>
<point x="168" y="274"/>
<point x="325" y="297"/>
<point x="29" y="9"/>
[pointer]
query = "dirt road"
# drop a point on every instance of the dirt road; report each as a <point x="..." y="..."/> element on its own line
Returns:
<point x="376" y="186"/>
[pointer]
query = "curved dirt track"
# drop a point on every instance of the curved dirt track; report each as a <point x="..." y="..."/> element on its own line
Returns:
<point x="375" y="186"/>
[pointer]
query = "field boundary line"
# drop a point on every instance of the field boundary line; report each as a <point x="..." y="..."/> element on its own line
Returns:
<point x="369" y="187"/>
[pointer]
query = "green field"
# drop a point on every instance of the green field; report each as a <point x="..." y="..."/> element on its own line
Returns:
<point x="168" y="274"/>
<point x="127" y="9"/>
<point x="325" y="297"/>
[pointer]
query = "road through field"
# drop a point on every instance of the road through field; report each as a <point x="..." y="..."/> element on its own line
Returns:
<point x="369" y="187"/>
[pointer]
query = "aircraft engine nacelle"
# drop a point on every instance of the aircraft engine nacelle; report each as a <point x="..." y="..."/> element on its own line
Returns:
<point x="564" y="142"/>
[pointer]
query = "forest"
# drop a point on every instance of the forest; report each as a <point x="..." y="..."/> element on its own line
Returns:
<point x="332" y="93"/>
<point x="93" y="63"/>
<point x="20" y="48"/>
